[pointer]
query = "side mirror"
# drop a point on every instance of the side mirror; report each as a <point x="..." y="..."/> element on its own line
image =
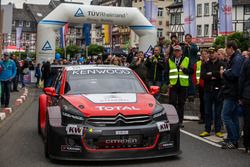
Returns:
<point x="154" y="90"/>
<point x="50" y="91"/>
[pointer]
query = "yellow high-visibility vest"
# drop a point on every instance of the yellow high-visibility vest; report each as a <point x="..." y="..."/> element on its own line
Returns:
<point x="174" y="73"/>
<point x="198" y="72"/>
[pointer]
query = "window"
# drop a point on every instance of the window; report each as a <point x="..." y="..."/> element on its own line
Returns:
<point x="13" y="23"/>
<point x="160" y="12"/>
<point x="27" y="24"/>
<point x="247" y="10"/>
<point x="20" y="23"/>
<point x="178" y="18"/>
<point x="206" y="30"/>
<point x="214" y="8"/>
<point x="199" y="30"/>
<point x="27" y="37"/>
<point x="160" y="23"/>
<point x="199" y="9"/>
<point x="135" y="1"/>
<point x="175" y="18"/>
<point x="206" y="9"/>
<point x="159" y="32"/>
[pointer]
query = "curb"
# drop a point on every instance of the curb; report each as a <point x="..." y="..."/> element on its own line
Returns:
<point x="20" y="100"/>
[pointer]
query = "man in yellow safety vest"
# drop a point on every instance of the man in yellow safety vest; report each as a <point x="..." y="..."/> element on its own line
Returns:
<point x="178" y="70"/>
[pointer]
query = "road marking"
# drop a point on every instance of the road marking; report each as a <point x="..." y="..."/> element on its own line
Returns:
<point x="200" y="138"/>
<point x="194" y="118"/>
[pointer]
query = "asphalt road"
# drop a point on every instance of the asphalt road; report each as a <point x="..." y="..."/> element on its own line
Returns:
<point x="21" y="146"/>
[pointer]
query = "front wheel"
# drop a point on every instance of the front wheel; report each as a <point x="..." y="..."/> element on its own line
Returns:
<point x="46" y="139"/>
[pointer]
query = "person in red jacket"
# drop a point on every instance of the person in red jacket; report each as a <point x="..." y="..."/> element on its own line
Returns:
<point x="200" y="82"/>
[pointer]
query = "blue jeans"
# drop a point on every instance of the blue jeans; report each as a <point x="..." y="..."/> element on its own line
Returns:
<point x="230" y="119"/>
<point x="212" y="111"/>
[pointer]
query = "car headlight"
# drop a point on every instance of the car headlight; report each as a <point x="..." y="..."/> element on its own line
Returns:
<point x="159" y="114"/>
<point x="70" y="114"/>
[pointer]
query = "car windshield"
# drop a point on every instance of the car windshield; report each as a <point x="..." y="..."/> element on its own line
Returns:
<point x="96" y="81"/>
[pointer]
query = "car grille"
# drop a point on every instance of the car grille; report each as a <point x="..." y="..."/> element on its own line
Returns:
<point x="120" y="142"/>
<point x="120" y="120"/>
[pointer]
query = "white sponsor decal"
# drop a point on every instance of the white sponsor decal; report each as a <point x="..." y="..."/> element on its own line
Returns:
<point x="74" y="130"/>
<point x="119" y="108"/>
<point x="163" y="126"/>
<point x="101" y="71"/>
<point x="124" y="132"/>
<point x="112" y="98"/>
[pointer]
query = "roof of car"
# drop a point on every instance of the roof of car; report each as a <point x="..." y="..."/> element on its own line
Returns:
<point x="89" y="67"/>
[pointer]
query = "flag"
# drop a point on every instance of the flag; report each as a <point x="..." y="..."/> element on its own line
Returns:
<point x="18" y="37"/>
<point x="189" y="17"/>
<point x="149" y="52"/>
<point x="63" y="34"/>
<point x="225" y="17"/>
<point x="86" y="30"/>
<point x="150" y="11"/>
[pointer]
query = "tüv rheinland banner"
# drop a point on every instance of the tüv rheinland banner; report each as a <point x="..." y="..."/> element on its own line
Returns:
<point x="225" y="16"/>
<point x="189" y="17"/>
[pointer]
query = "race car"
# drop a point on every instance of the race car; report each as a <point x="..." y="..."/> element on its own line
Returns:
<point x="103" y="112"/>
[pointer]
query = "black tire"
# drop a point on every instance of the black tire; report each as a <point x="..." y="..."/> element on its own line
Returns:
<point x="38" y="121"/>
<point x="46" y="139"/>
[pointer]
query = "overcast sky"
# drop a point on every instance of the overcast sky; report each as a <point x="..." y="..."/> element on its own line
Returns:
<point x="19" y="3"/>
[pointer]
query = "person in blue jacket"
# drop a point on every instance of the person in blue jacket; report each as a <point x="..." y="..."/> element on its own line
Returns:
<point x="8" y="72"/>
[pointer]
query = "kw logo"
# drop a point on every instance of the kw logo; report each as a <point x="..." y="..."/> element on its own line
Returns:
<point x="47" y="46"/>
<point x="79" y="13"/>
<point x="74" y="130"/>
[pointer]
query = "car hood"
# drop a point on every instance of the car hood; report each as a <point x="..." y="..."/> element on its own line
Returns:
<point x="113" y="104"/>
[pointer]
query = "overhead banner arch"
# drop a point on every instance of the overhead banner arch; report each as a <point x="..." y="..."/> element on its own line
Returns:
<point x="75" y="13"/>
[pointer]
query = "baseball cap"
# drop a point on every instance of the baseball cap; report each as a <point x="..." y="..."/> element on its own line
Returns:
<point x="6" y="54"/>
<point x="211" y="50"/>
<point x="177" y="47"/>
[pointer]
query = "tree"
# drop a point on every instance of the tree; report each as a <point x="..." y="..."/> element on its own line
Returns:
<point x="94" y="49"/>
<point x="243" y="43"/>
<point x="72" y="50"/>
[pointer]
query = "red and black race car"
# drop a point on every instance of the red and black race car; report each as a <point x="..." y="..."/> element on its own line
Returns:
<point x="105" y="113"/>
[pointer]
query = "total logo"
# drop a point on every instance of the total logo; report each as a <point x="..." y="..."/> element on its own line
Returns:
<point x="79" y="13"/>
<point x="118" y="108"/>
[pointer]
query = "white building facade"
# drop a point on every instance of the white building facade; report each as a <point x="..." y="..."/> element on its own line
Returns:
<point x="207" y="20"/>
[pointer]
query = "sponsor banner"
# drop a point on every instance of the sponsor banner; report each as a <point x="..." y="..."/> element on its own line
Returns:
<point x="189" y="17"/>
<point x="106" y="34"/>
<point x="63" y="34"/>
<point x="30" y="77"/>
<point x="86" y="30"/>
<point x="111" y="98"/>
<point x="7" y="13"/>
<point x="202" y="40"/>
<point x="150" y="11"/>
<point x="225" y="17"/>
<point x="18" y="37"/>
